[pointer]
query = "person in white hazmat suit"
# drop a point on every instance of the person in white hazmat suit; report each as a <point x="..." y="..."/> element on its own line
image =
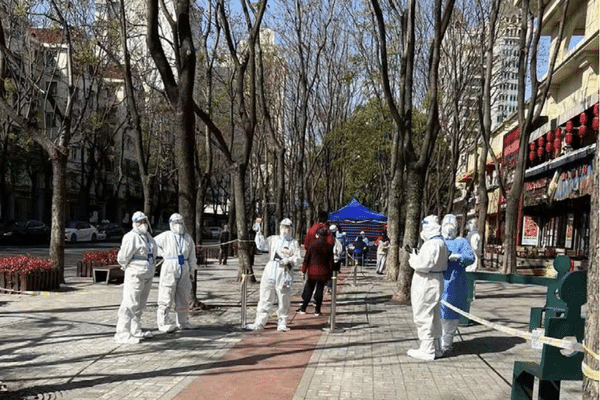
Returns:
<point x="474" y="239"/>
<point x="277" y="278"/>
<point x="426" y="289"/>
<point x="176" y="274"/>
<point x="137" y="258"/>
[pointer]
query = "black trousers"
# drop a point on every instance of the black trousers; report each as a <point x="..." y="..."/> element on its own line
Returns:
<point x="307" y="293"/>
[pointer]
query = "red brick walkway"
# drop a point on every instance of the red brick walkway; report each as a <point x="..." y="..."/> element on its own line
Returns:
<point x="265" y="364"/>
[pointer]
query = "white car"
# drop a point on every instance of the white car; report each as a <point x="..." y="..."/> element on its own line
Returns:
<point x="81" y="231"/>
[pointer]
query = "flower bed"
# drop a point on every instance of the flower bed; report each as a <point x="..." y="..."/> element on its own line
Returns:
<point x="93" y="259"/>
<point x="26" y="273"/>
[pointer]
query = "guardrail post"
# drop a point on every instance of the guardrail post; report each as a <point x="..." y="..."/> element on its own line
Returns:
<point x="244" y="294"/>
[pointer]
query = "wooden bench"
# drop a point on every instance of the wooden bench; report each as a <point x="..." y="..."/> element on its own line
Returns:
<point x="109" y="273"/>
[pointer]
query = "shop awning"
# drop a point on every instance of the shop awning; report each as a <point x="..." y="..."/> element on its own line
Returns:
<point x="465" y="177"/>
<point x="560" y="161"/>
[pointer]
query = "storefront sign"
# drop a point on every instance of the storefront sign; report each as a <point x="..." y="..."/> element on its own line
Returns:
<point x="531" y="232"/>
<point x="535" y="191"/>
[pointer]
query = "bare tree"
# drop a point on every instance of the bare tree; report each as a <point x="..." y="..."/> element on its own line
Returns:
<point x="528" y="113"/>
<point x="179" y="92"/>
<point x="28" y="72"/>
<point x="416" y="164"/>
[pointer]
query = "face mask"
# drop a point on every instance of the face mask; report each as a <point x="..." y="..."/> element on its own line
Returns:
<point x="449" y="231"/>
<point x="178" y="229"/>
<point x="284" y="231"/>
<point x="142" y="228"/>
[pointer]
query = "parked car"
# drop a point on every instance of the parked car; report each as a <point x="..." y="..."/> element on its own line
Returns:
<point x="26" y="232"/>
<point x="111" y="230"/>
<point x="81" y="231"/>
<point x="215" y="232"/>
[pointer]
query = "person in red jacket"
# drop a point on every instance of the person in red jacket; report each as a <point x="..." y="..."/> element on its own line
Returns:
<point x="312" y="232"/>
<point x="318" y="267"/>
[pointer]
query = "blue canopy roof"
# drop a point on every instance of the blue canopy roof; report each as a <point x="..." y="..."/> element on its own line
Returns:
<point x="354" y="211"/>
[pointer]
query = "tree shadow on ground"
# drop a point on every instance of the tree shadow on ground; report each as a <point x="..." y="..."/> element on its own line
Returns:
<point x="484" y="345"/>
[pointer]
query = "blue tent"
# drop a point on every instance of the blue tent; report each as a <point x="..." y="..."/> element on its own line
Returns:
<point x="354" y="217"/>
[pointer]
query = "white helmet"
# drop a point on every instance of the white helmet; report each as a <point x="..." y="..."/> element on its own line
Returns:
<point x="176" y="218"/>
<point x="333" y="228"/>
<point x="137" y="219"/>
<point x="138" y="216"/>
<point x="176" y="224"/>
<point x="286" y="221"/>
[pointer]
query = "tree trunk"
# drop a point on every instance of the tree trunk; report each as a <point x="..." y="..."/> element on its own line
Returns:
<point x="590" y="386"/>
<point x="482" y="194"/>
<point x="244" y="246"/>
<point x="415" y="182"/>
<point x="279" y="191"/>
<point x="59" y="203"/>
<point x="393" y="212"/>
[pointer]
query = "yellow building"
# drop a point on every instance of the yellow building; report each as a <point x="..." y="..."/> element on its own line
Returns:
<point x="556" y="197"/>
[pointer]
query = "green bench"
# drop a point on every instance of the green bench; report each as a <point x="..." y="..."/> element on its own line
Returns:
<point x="559" y="318"/>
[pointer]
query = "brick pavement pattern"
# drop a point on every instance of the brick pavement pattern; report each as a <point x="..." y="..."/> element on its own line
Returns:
<point x="61" y="345"/>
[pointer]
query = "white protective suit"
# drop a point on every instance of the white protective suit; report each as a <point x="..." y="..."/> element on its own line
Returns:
<point x="474" y="239"/>
<point x="427" y="287"/>
<point x="137" y="258"/>
<point x="179" y="254"/>
<point x="277" y="278"/>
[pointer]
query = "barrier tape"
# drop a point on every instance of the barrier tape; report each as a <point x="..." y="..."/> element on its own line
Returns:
<point x="591" y="352"/>
<point x="244" y="277"/>
<point x="536" y="338"/>
<point x="590" y="373"/>
<point x="231" y="241"/>
<point x="39" y="293"/>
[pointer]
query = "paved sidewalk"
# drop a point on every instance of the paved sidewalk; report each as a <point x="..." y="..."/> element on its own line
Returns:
<point x="61" y="346"/>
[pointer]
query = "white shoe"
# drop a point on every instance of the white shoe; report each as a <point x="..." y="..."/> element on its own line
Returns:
<point x="252" y="327"/>
<point x="128" y="340"/>
<point x="282" y="328"/>
<point x="187" y="326"/>
<point x="421" y="355"/>
<point x="167" y="328"/>
<point x="145" y="335"/>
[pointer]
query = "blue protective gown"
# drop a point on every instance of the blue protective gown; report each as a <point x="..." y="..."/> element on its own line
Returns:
<point x="455" y="280"/>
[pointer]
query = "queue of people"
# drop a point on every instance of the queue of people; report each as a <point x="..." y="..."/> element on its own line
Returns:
<point x="439" y="273"/>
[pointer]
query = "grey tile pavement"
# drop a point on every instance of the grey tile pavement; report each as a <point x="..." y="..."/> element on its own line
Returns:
<point x="61" y="345"/>
<point x="368" y="360"/>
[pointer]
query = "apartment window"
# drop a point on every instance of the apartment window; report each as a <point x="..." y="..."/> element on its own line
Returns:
<point x="50" y="120"/>
<point x="51" y="88"/>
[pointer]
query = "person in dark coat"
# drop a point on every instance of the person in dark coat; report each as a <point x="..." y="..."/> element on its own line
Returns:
<point x="224" y="245"/>
<point x="312" y="232"/>
<point x="318" y="267"/>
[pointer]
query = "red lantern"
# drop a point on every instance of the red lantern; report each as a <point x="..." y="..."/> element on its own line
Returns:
<point x="596" y="109"/>
<point x="540" y="152"/>
<point x="569" y="126"/>
<point x="532" y="146"/>
<point x="549" y="147"/>
<point x="550" y="136"/>
<point x="569" y="138"/>
<point x="583" y="118"/>
<point x="595" y="123"/>
<point x="531" y="155"/>
<point x="582" y="131"/>
<point x="541" y="141"/>
<point x="558" y="133"/>
<point x="557" y="144"/>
